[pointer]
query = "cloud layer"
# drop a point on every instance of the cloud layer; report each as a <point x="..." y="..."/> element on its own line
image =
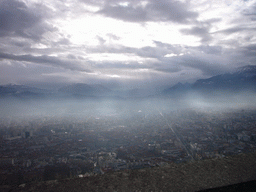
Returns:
<point x="137" y="42"/>
<point x="144" y="11"/>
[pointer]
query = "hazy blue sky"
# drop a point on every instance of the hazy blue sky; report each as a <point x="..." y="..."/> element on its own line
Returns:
<point x="147" y="42"/>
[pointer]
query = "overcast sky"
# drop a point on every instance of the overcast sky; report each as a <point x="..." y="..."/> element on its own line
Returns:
<point x="140" y="43"/>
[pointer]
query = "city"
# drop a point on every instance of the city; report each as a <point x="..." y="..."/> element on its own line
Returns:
<point x="118" y="95"/>
<point x="49" y="148"/>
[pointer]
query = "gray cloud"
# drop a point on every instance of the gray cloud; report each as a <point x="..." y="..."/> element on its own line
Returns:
<point x="210" y="49"/>
<point x="249" y="51"/>
<point x="202" y="32"/>
<point x="202" y="58"/>
<point x="124" y="13"/>
<point x="101" y="40"/>
<point x="36" y="75"/>
<point x="49" y="60"/>
<point x="16" y="19"/>
<point x="250" y="12"/>
<point x="62" y="41"/>
<point x="24" y="41"/>
<point x="160" y="50"/>
<point x="201" y="29"/>
<point x="208" y="67"/>
<point x="112" y="36"/>
<point x="235" y="30"/>
<point x="168" y="70"/>
<point x="121" y="65"/>
<point x="209" y="60"/>
<point x="164" y="10"/>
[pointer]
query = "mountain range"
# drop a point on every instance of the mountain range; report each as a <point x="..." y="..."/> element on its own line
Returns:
<point x="21" y="91"/>
<point x="243" y="79"/>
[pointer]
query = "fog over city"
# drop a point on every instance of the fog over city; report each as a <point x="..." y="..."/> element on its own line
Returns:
<point x="90" y="87"/>
<point x="123" y="107"/>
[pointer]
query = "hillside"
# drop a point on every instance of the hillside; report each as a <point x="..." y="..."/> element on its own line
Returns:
<point x="192" y="176"/>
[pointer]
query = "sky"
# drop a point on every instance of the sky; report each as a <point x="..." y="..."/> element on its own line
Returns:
<point x="136" y="43"/>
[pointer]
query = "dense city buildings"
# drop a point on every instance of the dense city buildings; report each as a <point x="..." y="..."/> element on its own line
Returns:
<point x="46" y="148"/>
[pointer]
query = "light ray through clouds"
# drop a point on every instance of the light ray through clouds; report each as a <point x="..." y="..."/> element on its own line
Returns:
<point x="134" y="41"/>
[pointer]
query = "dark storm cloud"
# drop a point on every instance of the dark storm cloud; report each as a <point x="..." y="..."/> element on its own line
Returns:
<point x="164" y="10"/>
<point x="48" y="60"/>
<point x="16" y="19"/>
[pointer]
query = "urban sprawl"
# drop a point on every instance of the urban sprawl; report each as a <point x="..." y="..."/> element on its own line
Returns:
<point x="48" y="148"/>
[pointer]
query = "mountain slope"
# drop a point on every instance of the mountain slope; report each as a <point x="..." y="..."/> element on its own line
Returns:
<point x="243" y="79"/>
<point x="21" y="91"/>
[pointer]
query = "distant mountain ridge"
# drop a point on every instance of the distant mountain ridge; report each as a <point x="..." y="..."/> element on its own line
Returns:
<point x="246" y="70"/>
<point x="21" y="91"/>
<point x="243" y="79"/>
